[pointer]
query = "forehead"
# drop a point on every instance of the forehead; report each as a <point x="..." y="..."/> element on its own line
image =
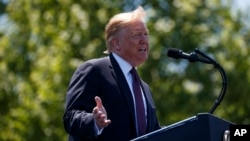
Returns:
<point x="137" y="26"/>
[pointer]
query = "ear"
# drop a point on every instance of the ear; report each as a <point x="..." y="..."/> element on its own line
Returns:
<point x="116" y="44"/>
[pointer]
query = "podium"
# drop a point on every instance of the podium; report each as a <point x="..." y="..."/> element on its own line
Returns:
<point x="202" y="127"/>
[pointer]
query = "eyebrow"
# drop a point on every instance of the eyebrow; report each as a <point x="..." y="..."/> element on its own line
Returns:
<point x="139" y="31"/>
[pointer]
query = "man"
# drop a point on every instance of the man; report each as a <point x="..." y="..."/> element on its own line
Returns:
<point x="101" y="104"/>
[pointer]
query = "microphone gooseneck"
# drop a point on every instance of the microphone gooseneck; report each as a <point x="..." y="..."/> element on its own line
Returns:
<point x="193" y="57"/>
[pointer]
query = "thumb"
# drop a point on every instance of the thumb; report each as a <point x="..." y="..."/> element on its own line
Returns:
<point x="98" y="101"/>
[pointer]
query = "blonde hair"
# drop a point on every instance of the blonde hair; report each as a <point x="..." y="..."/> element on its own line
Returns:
<point x="119" y="22"/>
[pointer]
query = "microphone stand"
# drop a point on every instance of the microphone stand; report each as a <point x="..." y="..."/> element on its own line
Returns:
<point x="209" y="60"/>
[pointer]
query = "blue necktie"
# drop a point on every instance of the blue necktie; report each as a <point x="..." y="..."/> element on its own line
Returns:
<point x="140" y="109"/>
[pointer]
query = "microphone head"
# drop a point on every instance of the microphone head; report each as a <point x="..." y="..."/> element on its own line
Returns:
<point x="174" y="53"/>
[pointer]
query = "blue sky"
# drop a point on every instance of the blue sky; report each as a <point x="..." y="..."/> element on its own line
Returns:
<point x="243" y="5"/>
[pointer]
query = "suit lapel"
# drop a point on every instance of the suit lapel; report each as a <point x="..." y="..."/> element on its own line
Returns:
<point x="148" y="102"/>
<point x="122" y="83"/>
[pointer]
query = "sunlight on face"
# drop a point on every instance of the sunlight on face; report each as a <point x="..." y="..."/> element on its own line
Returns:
<point x="133" y="43"/>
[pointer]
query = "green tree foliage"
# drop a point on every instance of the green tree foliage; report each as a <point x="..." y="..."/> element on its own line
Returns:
<point x="45" y="40"/>
<point x="182" y="89"/>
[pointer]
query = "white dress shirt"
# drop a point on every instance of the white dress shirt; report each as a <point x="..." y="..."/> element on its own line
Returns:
<point x="126" y="67"/>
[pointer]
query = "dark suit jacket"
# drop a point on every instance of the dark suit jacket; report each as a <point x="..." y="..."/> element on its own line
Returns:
<point x="103" y="77"/>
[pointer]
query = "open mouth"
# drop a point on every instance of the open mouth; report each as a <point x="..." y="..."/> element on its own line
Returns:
<point x="142" y="49"/>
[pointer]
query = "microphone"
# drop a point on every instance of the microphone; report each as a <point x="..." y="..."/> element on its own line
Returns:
<point x="176" y="53"/>
<point x="193" y="57"/>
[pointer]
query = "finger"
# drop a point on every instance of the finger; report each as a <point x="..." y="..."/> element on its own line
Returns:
<point x="104" y="123"/>
<point x="101" y="118"/>
<point x="98" y="115"/>
<point x="98" y="101"/>
<point x="107" y="122"/>
<point x="95" y="110"/>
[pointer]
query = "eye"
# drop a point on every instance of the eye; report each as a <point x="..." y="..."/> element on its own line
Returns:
<point x="136" y="34"/>
<point x="139" y="34"/>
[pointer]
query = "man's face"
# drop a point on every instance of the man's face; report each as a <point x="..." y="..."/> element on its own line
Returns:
<point x="133" y="43"/>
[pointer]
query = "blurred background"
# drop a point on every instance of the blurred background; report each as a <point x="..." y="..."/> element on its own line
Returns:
<point x="43" y="41"/>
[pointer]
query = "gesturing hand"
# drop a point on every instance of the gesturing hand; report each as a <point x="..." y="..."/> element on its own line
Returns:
<point x="100" y="114"/>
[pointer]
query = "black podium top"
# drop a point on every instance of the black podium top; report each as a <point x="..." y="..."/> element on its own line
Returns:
<point x="202" y="127"/>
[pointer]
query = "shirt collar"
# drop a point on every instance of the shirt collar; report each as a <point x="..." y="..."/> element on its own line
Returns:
<point x="124" y="65"/>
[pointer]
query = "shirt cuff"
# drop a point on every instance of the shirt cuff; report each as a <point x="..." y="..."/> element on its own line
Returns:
<point x="98" y="131"/>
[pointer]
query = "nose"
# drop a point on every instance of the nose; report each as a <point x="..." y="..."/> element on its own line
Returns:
<point x="144" y="39"/>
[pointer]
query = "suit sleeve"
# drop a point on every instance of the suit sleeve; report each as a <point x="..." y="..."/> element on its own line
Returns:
<point x="78" y="118"/>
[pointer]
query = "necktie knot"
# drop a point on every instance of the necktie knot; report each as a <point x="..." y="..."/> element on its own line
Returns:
<point x="134" y="74"/>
